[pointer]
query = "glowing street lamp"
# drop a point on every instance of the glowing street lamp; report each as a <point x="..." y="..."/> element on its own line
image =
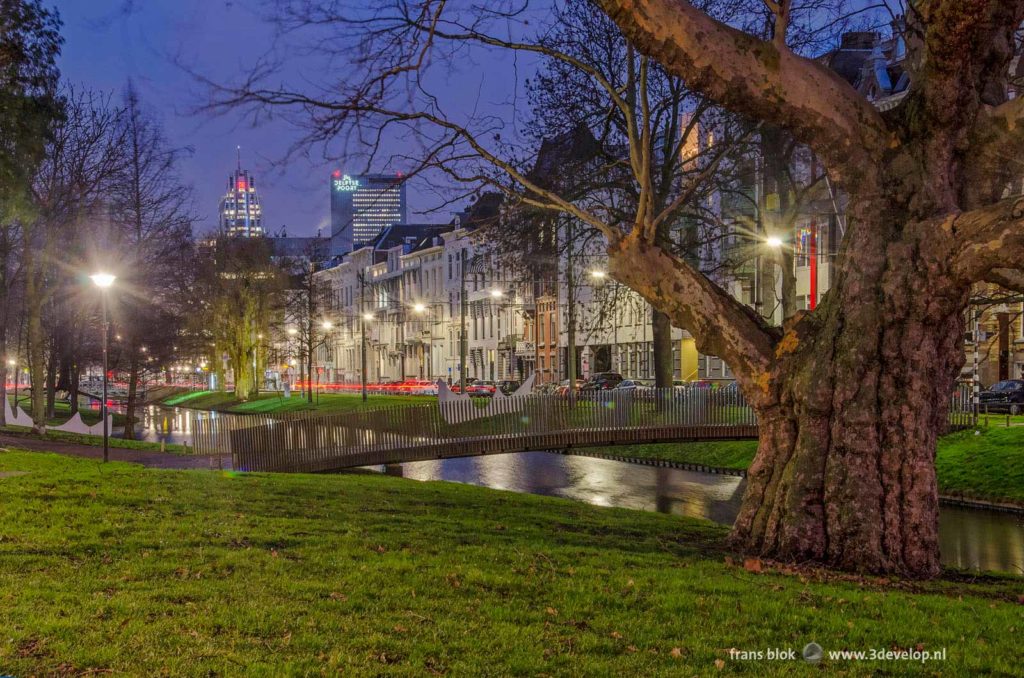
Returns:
<point x="774" y="242"/>
<point x="104" y="281"/>
<point x="419" y="308"/>
<point x="598" y="275"/>
<point x="497" y="294"/>
<point x="327" y="324"/>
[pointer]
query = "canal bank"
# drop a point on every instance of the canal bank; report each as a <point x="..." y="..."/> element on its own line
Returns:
<point x="970" y="538"/>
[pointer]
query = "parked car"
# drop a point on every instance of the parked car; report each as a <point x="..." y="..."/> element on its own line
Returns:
<point x="635" y="386"/>
<point x="508" y="386"/>
<point x="563" y="387"/>
<point x="481" y="388"/>
<point x="456" y="386"/>
<point x="1004" y="396"/>
<point x="602" y="381"/>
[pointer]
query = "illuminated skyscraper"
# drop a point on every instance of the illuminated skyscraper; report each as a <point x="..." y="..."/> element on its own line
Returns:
<point x="362" y="206"/>
<point x="240" y="211"/>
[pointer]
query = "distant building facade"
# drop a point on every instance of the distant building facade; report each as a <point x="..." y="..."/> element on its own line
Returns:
<point x="241" y="214"/>
<point x="362" y="206"/>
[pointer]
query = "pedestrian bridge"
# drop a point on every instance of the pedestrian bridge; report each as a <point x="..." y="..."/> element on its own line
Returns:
<point x="311" y="442"/>
<point x="461" y="427"/>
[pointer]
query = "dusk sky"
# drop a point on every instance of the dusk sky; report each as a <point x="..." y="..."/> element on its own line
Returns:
<point x="109" y="41"/>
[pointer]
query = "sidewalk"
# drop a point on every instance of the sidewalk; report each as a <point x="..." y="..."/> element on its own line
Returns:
<point x="146" y="458"/>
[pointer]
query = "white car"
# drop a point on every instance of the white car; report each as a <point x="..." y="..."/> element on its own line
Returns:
<point x="421" y="387"/>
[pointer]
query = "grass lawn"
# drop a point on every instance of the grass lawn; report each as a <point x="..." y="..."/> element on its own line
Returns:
<point x="732" y="454"/>
<point x="267" y="403"/>
<point x="985" y="466"/>
<point x="122" y="569"/>
<point x="330" y="403"/>
<point x="988" y="466"/>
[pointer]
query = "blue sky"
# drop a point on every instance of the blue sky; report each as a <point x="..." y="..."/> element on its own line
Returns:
<point x="105" y="46"/>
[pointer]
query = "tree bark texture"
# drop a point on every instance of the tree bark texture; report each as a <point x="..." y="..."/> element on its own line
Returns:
<point x="661" y="340"/>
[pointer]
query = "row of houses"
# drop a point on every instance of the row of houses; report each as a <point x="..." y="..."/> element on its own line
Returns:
<point x="414" y="290"/>
<point x="409" y="295"/>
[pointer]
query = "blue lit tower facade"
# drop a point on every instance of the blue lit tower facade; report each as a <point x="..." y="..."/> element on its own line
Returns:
<point x="240" y="212"/>
<point x="362" y="206"/>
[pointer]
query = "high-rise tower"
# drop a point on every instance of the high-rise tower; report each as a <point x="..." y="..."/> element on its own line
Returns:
<point x="362" y="206"/>
<point x="240" y="211"/>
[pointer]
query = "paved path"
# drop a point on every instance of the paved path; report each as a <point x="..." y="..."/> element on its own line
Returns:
<point x="144" y="457"/>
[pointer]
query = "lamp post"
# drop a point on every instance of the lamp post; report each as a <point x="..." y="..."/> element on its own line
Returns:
<point x="363" y="319"/>
<point x="599" y="277"/>
<point x="291" y="349"/>
<point x="420" y="309"/>
<point x="463" y="307"/>
<point x="328" y="326"/>
<point x="104" y="281"/>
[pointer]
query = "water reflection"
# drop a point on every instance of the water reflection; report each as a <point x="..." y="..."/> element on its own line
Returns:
<point x="970" y="538"/>
<point x="167" y="424"/>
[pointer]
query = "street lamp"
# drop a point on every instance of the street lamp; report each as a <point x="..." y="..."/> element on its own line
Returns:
<point x="104" y="281"/>
<point x="774" y="242"/>
<point x="599" y="276"/>
<point x="497" y="294"/>
<point x="420" y="309"/>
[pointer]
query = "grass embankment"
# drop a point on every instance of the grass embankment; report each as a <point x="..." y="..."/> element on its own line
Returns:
<point x="988" y="466"/>
<point x="95" y="441"/>
<point x="275" y="403"/>
<point x="115" y="568"/>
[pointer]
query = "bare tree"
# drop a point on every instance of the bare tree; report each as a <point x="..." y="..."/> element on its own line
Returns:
<point x="151" y="211"/>
<point x="69" y="191"/>
<point x="305" y="303"/>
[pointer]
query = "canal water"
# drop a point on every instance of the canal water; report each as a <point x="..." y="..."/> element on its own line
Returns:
<point x="970" y="538"/>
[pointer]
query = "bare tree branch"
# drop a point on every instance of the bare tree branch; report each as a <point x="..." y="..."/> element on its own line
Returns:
<point x="756" y="78"/>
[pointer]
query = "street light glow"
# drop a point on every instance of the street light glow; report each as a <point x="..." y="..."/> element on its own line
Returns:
<point x="12" y="362"/>
<point x="367" y="316"/>
<point x="292" y="331"/>
<point x="598" y="275"/>
<point x="419" y="308"/>
<point x="103" y="280"/>
<point x="497" y="294"/>
<point x="774" y="242"/>
<point x="327" y="324"/>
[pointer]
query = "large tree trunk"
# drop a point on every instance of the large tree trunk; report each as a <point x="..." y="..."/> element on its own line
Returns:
<point x="74" y="374"/>
<point x="850" y="399"/>
<point x="51" y="383"/>
<point x="661" y="335"/>
<point x="845" y="469"/>
<point x="36" y="354"/>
